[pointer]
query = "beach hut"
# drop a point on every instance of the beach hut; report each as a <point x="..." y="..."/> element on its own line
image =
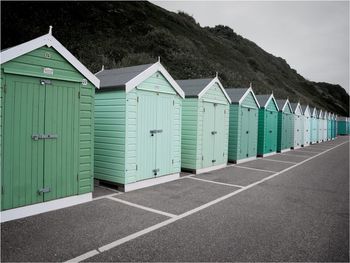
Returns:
<point x="298" y="125"/>
<point x="314" y="126"/>
<point x="205" y="124"/>
<point x="325" y="126"/>
<point x="329" y="126"/>
<point x="320" y="126"/>
<point x="306" y="125"/>
<point x="47" y="128"/>
<point x="267" y="125"/>
<point x="137" y="126"/>
<point x="332" y="126"/>
<point x="243" y="130"/>
<point x="285" y="126"/>
<point x="342" y="125"/>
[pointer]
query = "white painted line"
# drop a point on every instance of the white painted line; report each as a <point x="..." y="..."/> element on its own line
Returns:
<point x="195" y="210"/>
<point x="142" y="207"/>
<point x="254" y="169"/>
<point x="279" y="161"/>
<point x="84" y="256"/>
<point x="213" y="182"/>
<point x="310" y="151"/>
<point x="294" y="155"/>
<point x="104" y="196"/>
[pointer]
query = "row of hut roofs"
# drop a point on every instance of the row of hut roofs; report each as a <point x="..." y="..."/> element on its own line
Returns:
<point x="140" y="128"/>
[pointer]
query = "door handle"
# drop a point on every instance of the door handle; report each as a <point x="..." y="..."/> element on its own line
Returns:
<point x="37" y="137"/>
<point x="214" y="132"/>
<point x="44" y="190"/>
<point x="213" y="161"/>
<point x="247" y="132"/>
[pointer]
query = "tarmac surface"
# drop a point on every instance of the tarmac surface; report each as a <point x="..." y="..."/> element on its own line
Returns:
<point x="292" y="206"/>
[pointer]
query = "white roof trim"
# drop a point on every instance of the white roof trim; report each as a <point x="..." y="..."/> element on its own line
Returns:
<point x="307" y="109"/>
<point x="215" y="80"/>
<point x="268" y="101"/>
<point x="246" y="94"/>
<point x="50" y="41"/>
<point x="131" y="84"/>
<point x="285" y="104"/>
<point x="320" y="114"/>
<point x="298" y="107"/>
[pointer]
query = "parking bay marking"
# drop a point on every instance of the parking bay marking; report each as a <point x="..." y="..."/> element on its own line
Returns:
<point x="213" y="182"/>
<point x="255" y="169"/>
<point x="118" y="242"/>
<point x="279" y="161"/>
<point x="142" y="207"/>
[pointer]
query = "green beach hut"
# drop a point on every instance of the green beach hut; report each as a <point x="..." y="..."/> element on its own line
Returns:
<point x="205" y="121"/>
<point x="243" y="131"/>
<point x="285" y="126"/>
<point x="306" y="125"/>
<point x="298" y="125"/>
<point x="325" y="126"/>
<point x="46" y="128"/>
<point x="329" y="126"/>
<point x="267" y="125"/>
<point x="137" y="126"/>
<point x="314" y="126"/>
<point x="342" y="125"/>
<point x="320" y="126"/>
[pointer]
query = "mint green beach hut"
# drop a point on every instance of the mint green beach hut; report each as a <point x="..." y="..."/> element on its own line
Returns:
<point x="137" y="126"/>
<point x="205" y="124"/>
<point x="314" y="126"/>
<point x="285" y="126"/>
<point x="298" y="125"/>
<point x="268" y="125"/>
<point x="243" y="131"/>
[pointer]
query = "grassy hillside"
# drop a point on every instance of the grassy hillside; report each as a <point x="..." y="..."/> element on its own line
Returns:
<point x="127" y="33"/>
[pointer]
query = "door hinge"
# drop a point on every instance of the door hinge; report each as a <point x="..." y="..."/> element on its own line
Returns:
<point x="77" y="177"/>
<point x="4" y="88"/>
<point x="172" y="161"/>
<point x="203" y="109"/>
<point x="2" y="190"/>
<point x="137" y="99"/>
<point x="78" y="94"/>
<point x="136" y="167"/>
<point x="202" y="157"/>
<point x="173" y="102"/>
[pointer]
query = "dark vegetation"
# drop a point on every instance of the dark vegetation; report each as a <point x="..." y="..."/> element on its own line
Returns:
<point x="119" y="34"/>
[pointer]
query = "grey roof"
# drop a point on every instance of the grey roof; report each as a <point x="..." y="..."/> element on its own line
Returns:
<point x="192" y="87"/>
<point x="280" y="104"/>
<point x="262" y="99"/>
<point x="294" y="106"/>
<point x="120" y="76"/>
<point x="236" y="94"/>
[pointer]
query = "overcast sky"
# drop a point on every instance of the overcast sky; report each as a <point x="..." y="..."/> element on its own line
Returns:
<point x="312" y="36"/>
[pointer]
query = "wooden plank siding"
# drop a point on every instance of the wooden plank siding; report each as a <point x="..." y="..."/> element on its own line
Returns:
<point x="189" y="143"/>
<point x="234" y="132"/>
<point x="109" y="160"/>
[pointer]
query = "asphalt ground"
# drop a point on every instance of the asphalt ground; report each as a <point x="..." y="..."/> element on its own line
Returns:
<point x="263" y="210"/>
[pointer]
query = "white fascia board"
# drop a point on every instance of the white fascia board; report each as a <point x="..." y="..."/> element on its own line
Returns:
<point x="307" y="112"/>
<point x="246" y="94"/>
<point x="298" y="110"/>
<point x="274" y="101"/>
<point x="131" y="84"/>
<point x="50" y="41"/>
<point x="215" y="80"/>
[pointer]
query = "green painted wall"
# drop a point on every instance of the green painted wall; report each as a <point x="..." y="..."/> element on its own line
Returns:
<point x="198" y="153"/>
<point x="190" y="114"/>
<point x="68" y="112"/>
<point x="125" y="151"/>
<point x="342" y="128"/>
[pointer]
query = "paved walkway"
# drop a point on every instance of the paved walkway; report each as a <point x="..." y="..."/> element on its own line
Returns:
<point x="287" y="207"/>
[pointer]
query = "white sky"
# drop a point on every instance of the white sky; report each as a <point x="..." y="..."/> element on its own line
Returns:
<point x="312" y="36"/>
